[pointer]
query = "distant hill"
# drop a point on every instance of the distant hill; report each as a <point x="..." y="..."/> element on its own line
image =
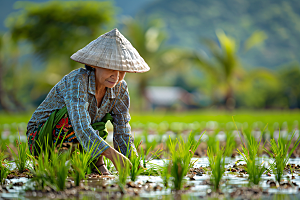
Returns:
<point x="189" y="20"/>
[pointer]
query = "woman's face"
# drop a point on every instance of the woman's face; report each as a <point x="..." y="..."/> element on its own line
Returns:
<point x="107" y="77"/>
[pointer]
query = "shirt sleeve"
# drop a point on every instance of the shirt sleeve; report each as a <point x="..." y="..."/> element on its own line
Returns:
<point x="122" y="138"/>
<point x="77" y="106"/>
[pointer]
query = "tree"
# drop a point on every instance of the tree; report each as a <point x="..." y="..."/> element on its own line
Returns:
<point x="56" y="30"/>
<point x="224" y="69"/>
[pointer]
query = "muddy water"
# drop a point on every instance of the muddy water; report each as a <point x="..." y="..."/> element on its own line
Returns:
<point x="198" y="186"/>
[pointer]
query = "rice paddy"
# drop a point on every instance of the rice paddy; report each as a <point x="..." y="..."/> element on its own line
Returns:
<point x="183" y="159"/>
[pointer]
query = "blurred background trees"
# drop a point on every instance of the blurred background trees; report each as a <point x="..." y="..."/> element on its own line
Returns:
<point x="247" y="57"/>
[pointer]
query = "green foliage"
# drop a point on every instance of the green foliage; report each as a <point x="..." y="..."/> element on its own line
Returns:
<point x="21" y="158"/>
<point x="216" y="160"/>
<point x="80" y="161"/>
<point x="181" y="153"/>
<point x="124" y="172"/>
<point x="50" y="168"/>
<point x="4" y="170"/>
<point x="136" y="168"/>
<point x="255" y="167"/>
<point x="280" y="154"/>
<point x="59" y="27"/>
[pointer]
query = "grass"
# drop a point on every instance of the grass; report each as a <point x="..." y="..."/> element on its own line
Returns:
<point x="181" y="153"/>
<point x="50" y="167"/>
<point x="81" y="161"/>
<point x="255" y="167"/>
<point x="280" y="154"/>
<point x="250" y="152"/>
<point x="4" y="170"/>
<point x="21" y="158"/>
<point x="216" y="160"/>
<point x="124" y="172"/>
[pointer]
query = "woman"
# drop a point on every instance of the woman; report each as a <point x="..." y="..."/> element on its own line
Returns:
<point x="77" y="107"/>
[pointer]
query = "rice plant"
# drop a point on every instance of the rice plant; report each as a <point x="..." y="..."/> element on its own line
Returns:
<point x="181" y="153"/>
<point x="4" y="170"/>
<point x="50" y="167"/>
<point x="124" y="171"/>
<point x="21" y="157"/>
<point x="81" y="160"/>
<point x="136" y="168"/>
<point x="216" y="160"/>
<point x="280" y="155"/>
<point x="255" y="167"/>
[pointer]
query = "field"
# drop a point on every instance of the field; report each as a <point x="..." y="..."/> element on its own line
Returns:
<point x="207" y="154"/>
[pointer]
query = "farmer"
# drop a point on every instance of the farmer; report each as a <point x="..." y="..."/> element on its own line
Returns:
<point x="78" y="106"/>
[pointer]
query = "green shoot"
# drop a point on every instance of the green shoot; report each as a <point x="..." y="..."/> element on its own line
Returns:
<point x="280" y="155"/>
<point x="21" y="157"/>
<point x="50" y="167"/>
<point x="255" y="167"/>
<point x="81" y="160"/>
<point x="181" y="155"/>
<point x="124" y="171"/>
<point x="136" y="168"/>
<point x="109" y="164"/>
<point x="216" y="160"/>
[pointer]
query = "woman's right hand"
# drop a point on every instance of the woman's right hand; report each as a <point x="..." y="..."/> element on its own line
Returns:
<point x="116" y="157"/>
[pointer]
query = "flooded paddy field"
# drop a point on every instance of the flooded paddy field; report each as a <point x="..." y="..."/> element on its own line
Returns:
<point x="209" y="172"/>
<point x="234" y="185"/>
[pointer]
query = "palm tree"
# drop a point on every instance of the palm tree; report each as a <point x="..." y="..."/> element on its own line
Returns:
<point x="224" y="69"/>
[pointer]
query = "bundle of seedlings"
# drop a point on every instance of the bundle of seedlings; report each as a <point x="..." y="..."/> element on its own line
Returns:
<point x="216" y="157"/>
<point x="181" y="153"/>
<point x="280" y="154"/>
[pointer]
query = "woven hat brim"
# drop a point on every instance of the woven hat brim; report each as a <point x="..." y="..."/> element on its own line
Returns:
<point x="112" y="51"/>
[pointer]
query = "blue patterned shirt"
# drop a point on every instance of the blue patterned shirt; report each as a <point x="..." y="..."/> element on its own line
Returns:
<point x="77" y="91"/>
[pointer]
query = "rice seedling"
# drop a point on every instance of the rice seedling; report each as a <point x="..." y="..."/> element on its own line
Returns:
<point x="136" y="168"/>
<point x="50" y="167"/>
<point x="124" y="171"/>
<point x="216" y="160"/>
<point x="21" y="158"/>
<point x="81" y="161"/>
<point x="255" y="167"/>
<point x="280" y="155"/>
<point x="4" y="170"/>
<point x="181" y="153"/>
<point x="109" y="164"/>
<point x="249" y="153"/>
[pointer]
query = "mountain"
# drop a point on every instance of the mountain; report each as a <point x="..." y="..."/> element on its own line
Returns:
<point x="189" y="21"/>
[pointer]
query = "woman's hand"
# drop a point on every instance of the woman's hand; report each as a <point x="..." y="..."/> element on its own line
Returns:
<point x="116" y="157"/>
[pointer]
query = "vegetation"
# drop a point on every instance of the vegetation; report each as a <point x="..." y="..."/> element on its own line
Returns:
<point x="22" y="157"/>
<point x="81" y="162"/>
<point x="250" y="154"/>
<point x="280" y="154"/>
<point x="216" y="160"/>
<point x="181" y="153"/>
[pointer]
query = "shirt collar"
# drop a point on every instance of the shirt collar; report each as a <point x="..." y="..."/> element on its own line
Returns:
<point x="92" y="86"/>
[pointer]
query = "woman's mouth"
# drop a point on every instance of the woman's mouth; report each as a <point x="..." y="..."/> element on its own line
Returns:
<point x="111" y="82"/>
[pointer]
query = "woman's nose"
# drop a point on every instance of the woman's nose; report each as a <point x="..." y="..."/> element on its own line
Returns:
<point x="116" y="74"/>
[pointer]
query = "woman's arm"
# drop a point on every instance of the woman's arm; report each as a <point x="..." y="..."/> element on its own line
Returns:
<point x="123" y="140"/>
<point x="77" y="106"/>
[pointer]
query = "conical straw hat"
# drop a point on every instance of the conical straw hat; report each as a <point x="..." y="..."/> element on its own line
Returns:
<point x="111" y="51"/>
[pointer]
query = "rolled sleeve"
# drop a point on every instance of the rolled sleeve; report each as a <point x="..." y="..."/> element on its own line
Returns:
<point x="77" y="105"/>
<point x="122" y="138"/>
